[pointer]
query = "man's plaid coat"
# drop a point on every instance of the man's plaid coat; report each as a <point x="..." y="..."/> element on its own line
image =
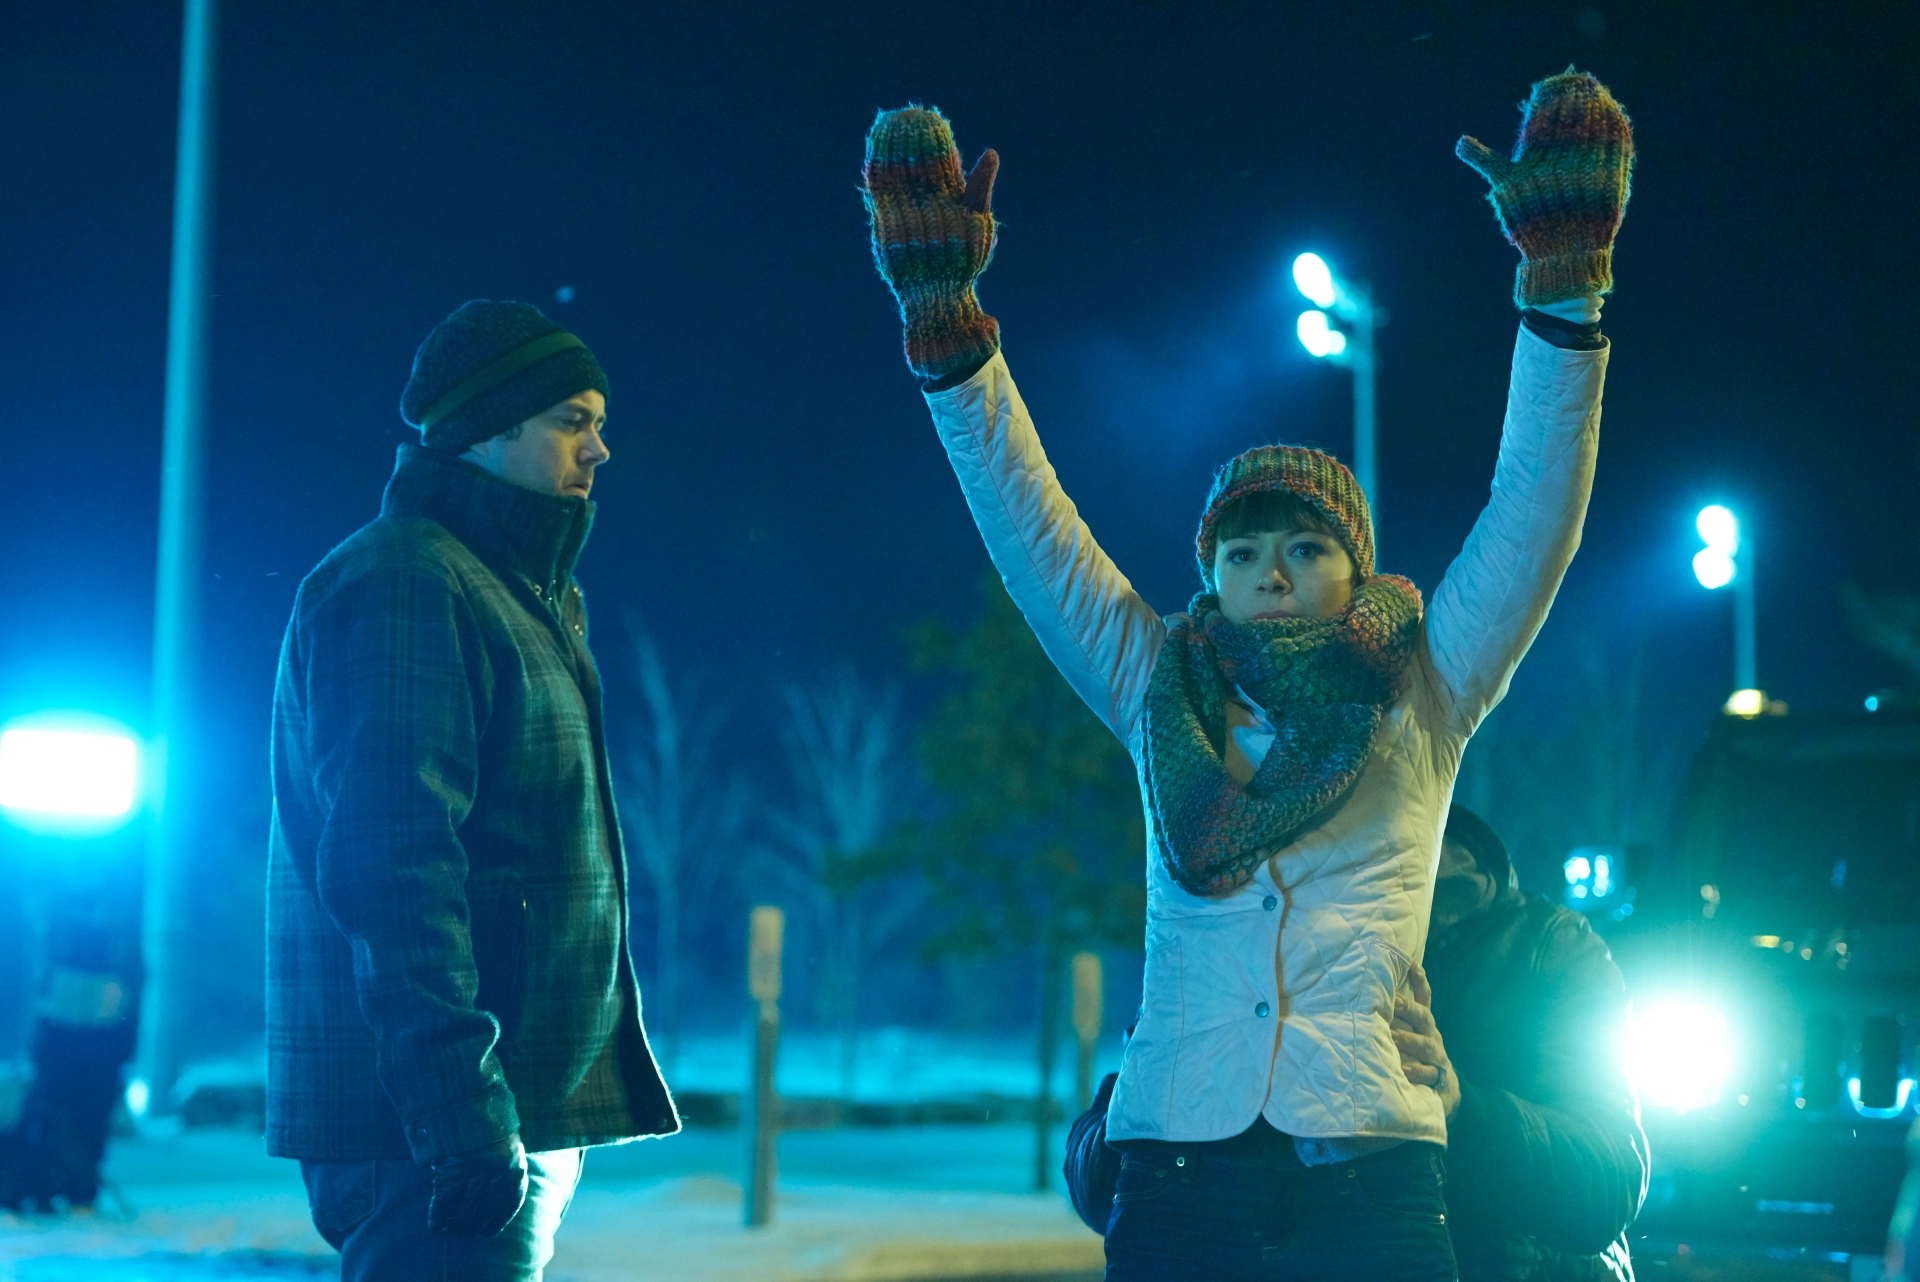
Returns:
<point x="446" y="895"/>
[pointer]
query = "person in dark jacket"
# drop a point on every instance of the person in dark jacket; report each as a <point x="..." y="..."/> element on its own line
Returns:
<point x="1546" y="1162"/>
<point x="451" y="1012"/>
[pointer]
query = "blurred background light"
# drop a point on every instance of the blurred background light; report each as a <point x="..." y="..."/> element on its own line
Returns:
<point x="1678" y="1053"/>
<point x="1596" y="879"/>
<point x="1747" y="703"/>
<point x="1711" y="566"/>
<point x="1900" y="1102"/>
<point x="88" y="774"/>
<point x="1719" y="529"/>
<point x="1318" y="337"/>
<point x="1312" y="277"/>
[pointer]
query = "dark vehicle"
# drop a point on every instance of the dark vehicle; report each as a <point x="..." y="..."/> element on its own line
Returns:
<point x="1774" y="956"/>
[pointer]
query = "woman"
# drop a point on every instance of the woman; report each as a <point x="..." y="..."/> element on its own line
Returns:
<point x="1296" y="732"/>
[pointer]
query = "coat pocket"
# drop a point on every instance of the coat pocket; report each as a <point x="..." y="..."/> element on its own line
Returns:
<point x="502" y="966"/>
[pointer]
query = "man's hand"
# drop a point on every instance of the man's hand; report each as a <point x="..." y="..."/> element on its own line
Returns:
<point x="933" y="234"/>
<point x="475" y="1194"/>
<point x="1423" y="1053"/>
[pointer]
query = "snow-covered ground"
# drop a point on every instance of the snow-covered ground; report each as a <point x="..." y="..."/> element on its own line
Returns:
<point x="922" y="1202"/>
<point x="894" y="1065"/>
<point x="853" y="1205"/>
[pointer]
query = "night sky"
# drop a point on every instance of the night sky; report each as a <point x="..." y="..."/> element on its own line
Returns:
<point x="777" y="498"/>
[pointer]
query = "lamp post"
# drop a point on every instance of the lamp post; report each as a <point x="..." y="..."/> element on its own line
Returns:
<point x="176" y="630"/>
<point x="1351" y="302"/>
<point x="1727" y="560"/>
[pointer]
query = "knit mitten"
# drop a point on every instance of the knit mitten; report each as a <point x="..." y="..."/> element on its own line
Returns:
<point x="1561" y="196"/>
<point x="933" y="234"/>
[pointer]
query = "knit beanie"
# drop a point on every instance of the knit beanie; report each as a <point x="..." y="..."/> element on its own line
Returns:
<point x="490" y="367"/>
<point x="1320" y="480"/>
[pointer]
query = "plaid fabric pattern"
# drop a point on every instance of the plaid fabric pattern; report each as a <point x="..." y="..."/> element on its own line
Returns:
<point x="446" y="905"/>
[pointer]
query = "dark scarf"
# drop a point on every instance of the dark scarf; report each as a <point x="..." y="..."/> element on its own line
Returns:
<point x="1324" y="683"/>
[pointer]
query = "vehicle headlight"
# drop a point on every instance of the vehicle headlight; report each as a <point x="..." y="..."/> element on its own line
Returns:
<point x="1678" y="1053"/>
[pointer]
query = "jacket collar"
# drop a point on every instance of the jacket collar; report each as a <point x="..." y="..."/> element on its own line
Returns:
<point x="511" y="528"/>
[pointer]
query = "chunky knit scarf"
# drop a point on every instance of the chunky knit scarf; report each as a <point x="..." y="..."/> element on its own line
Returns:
<point x="1324" y="683"/>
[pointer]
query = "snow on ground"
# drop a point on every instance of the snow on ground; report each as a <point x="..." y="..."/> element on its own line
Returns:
<point x="853" y="1206"/>
<point x="894" y="1065"/>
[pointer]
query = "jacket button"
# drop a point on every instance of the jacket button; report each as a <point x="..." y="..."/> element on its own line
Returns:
<point x="1261" y="1010"/>
<point x="1269" y="903"/>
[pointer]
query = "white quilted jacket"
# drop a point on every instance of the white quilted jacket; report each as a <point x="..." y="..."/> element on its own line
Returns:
<point x="1276" y="1000"/>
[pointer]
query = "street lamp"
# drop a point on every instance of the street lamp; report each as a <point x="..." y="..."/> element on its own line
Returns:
<point x="67" y="775"/>
<point x="1349" y="301"/>
<point x="1726" y="560"/>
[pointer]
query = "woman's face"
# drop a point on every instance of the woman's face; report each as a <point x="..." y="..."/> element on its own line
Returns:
<point x="1295" y="574"/>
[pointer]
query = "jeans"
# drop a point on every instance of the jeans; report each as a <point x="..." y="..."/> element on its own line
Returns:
<point x="1247" y="1209"/>
<point x="375" y="1215"/>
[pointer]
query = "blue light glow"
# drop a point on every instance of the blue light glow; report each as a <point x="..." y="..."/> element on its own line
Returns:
<point x="1312" y="277"/>
<point x="1714" y="568"/>
<point x="66" y="771"/>
<point x="1719" y="529"/>
<point x="1318" y="337"/>
<point x="1678" y="1053"/>
<point x="1903" y="1094"/>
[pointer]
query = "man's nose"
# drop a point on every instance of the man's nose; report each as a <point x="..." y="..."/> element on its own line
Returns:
<point x="595" y="450"/>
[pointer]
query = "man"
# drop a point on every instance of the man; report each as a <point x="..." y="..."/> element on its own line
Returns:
<point x="1546" y="1161"/>
<point x="451" y="1012"/>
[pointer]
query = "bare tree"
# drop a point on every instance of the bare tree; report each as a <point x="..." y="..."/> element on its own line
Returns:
<point x="853" y="780"/>
<point x="684" y="814"/>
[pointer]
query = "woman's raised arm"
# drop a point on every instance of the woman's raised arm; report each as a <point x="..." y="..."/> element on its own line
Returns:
<point x="933" y="234"/>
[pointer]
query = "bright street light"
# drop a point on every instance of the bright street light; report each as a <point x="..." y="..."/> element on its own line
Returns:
<point x="1719" y="529"/>
<point x="1728" y="559"/>
<point x="52" y="773"/>
<point x="1312" y="277"/>
<point x="1318" y="337"/>
<point x="1714" y="568"/>
<point x="1349" y="301"/>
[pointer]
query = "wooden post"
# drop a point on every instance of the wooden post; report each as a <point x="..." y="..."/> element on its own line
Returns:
<point x="1089" y="999"/>
<point x="761" y="1107"/>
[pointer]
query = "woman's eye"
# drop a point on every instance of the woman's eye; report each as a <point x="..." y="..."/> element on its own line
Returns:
<point x="1308" y="550"/>
<point x="1240" y="556"/>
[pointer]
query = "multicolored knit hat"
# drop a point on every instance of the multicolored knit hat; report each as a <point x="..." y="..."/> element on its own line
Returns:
<point x="1319" y="479"/>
